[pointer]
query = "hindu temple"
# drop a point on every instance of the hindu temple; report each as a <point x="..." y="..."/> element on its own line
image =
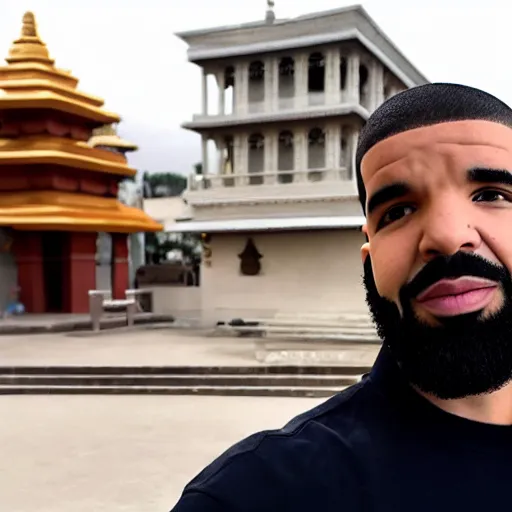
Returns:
<point x="58" y="191"/>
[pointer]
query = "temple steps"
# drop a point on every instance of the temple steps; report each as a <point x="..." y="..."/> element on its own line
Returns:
<point x="199" y="391"/>
<point x="212" y="381"/>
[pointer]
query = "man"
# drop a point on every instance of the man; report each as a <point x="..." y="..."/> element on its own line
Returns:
<point x="430" y="427"/>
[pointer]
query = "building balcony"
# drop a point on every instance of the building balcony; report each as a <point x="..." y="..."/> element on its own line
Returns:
<point x="270" y="186"/>
<point x="287" y="109"/>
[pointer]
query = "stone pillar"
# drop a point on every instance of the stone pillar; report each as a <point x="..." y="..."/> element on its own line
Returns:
<point x="241" y="158"/>
<point x="333" y="77"/>
<point x="376" y="84"/>
<point x="204" y="152"/>
<point x="353" y="63"/>
<point x="268" y="100"/>
<point x="80" y="271"/>
<point x="205" y="92"/>
<point x="300" y="154"/>
<point x="221" y="83"/>
<point x="301" y="81"/>
<point x="271" y="84"/>
<point x="271" y="143"/>
<point x="242" y="88"/>
<point x="237" y="155"/>
<point x="333" y="148"/>
<point x="28" y="251"/>
<point x="119" y="265"/>
<point x="352" y="139"/>
<point x="275" y="84"/>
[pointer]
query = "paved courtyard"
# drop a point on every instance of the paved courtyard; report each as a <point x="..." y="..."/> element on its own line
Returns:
<point x="119" y="454"/>
<point x="124" y="453"/>
<point x="136" y="347"/>
<point x="149" y="346"/>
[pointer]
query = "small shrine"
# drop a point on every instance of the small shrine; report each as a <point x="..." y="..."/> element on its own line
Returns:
<point x="57" y="190"/>
<point x="106" y="137"/>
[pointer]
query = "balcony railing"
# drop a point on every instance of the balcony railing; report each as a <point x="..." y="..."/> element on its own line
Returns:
<point x="288" y="104"/>
<point x="277" y="178"/>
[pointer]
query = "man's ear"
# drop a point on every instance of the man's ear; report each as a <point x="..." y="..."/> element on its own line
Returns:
<point x="365" y="249"/>
<point x="364" y="229"/>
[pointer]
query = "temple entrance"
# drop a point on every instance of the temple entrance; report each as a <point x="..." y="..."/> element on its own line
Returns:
<point x="53" y="251"/>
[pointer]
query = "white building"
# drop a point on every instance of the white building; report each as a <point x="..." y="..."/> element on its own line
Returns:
<point x="292" y="96"/>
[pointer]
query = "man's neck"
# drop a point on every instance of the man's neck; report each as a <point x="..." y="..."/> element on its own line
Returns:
<point x="494" y="408"/>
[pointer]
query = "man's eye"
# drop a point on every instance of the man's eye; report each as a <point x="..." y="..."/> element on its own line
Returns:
<point x="490" y="196"/>
<point x="394" y="214"/>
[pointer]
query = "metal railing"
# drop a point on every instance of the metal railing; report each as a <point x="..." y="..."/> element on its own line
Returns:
<point x="277" y="178"/>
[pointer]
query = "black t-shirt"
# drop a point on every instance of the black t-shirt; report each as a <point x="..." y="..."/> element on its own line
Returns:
<point x="378" y="446"/>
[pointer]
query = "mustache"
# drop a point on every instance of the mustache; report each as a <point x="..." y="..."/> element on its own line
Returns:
<point x="457" y="265"/>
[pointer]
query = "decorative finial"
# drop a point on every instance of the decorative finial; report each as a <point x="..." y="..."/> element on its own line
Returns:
<point x="29" y="47"/>
<point x="29" y="27"/>
<point x="270" y="16"/>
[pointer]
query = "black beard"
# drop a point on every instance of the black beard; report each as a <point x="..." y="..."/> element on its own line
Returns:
<point x="465" y="355"/>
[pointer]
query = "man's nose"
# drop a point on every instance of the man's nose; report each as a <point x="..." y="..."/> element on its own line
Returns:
<point x="447" y="229"/>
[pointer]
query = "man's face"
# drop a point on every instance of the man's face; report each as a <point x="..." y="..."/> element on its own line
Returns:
<point x="437" y="266"/>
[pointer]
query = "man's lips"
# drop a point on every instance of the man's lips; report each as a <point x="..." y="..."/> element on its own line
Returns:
<point x="452" y="297"/>
<point x="446" y="287"/>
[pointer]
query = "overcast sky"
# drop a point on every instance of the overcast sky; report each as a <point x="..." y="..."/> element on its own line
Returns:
<point x="125" y="52"/>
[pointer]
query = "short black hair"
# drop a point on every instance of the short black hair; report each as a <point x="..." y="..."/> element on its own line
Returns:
<point x="424" y="106"/>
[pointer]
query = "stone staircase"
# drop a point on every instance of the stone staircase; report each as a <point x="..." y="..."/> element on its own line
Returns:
<point x="277" y="381"/>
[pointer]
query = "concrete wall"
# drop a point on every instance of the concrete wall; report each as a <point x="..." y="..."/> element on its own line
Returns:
<point x="304" y="272"/>
<point x="184" y="302"/>
<point x="166" y="209"/>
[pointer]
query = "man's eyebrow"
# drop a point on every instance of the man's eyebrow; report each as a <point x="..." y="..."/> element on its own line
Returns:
<point x="386" y="194"/>
<point x="491" y="176"/>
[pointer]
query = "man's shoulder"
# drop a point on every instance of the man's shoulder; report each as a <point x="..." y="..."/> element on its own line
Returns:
<point x="272" y="464"/>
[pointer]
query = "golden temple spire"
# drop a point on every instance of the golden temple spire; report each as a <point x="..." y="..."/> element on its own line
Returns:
<point x="29" y="47"/>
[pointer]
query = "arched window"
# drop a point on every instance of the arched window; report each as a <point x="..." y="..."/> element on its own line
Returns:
<point x="228" y="159"/>
<point x="363" y="86"/>
<point x="256" y="158"/>
<point x="316" y="149"/>
<point x="286" y="82"/>
<point x="316" y="72"/>
<point x="229" y="89"/>
<point x="256" y="85"/>
<point x="343" y="73"/>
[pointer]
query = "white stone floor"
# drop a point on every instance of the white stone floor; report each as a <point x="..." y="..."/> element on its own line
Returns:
<point x="120" y="454"/>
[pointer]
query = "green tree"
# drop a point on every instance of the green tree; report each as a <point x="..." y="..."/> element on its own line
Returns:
<point x="164" y="184"/>
<point x="161" y="247"/>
